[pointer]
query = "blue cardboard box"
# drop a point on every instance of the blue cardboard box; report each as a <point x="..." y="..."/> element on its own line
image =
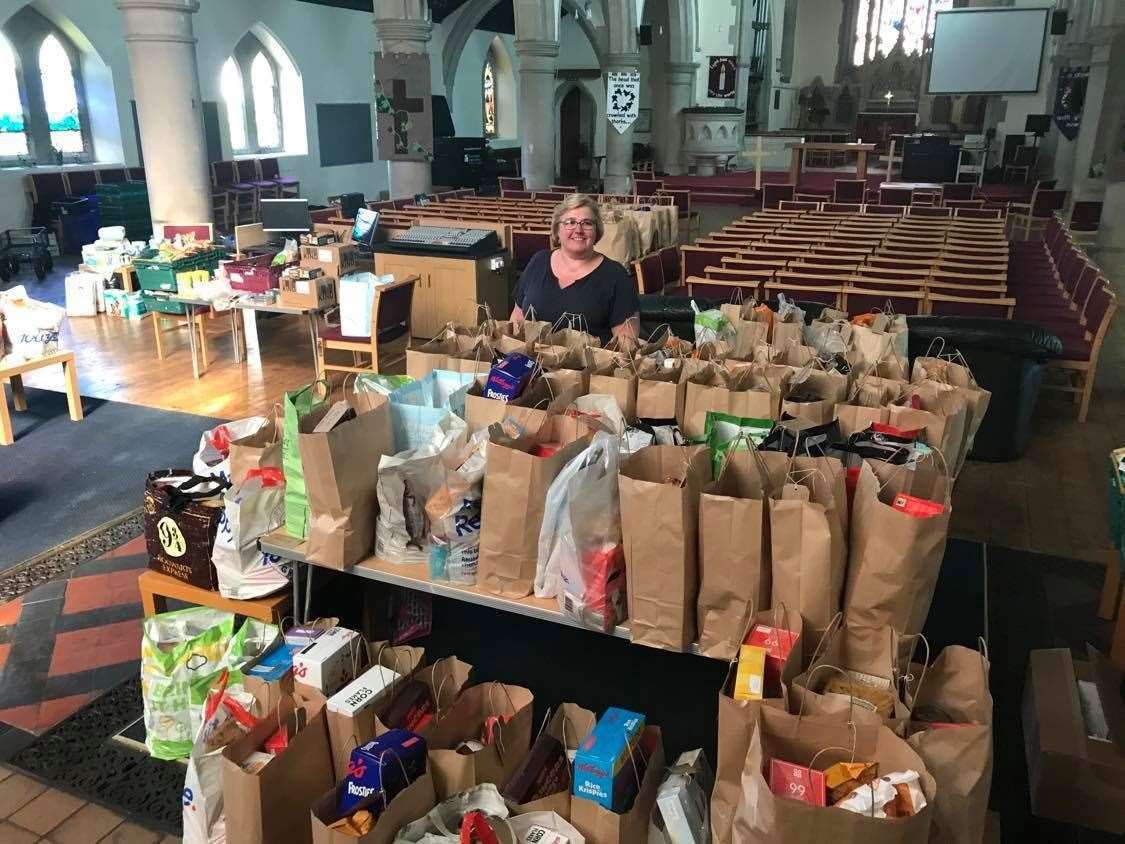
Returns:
<point x="388" y="763"/>
<point x="604" y="754"/>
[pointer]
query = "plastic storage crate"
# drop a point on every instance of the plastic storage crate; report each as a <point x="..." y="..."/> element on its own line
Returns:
<point x="256" y="275"/>
<point x="154" y="275"/>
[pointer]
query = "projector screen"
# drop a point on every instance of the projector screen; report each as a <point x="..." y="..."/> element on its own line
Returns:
<point x="988" y="51"/>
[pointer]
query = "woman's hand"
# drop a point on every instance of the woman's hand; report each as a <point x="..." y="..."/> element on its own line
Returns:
<point x="629" y="329"/>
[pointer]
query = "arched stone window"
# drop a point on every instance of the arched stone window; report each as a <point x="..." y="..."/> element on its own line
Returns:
<point x="252" y="82"/>
<point x="490" y="118"/>
<point x="881" y="24"/>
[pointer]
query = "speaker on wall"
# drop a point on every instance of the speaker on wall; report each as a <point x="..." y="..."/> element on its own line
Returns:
<point x="1058" y="23"/>
<point x="644" y="35"/>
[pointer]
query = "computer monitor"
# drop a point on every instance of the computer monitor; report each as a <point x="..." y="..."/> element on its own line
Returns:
<point x="285" y="215"/>
<point x="363" y="231"/>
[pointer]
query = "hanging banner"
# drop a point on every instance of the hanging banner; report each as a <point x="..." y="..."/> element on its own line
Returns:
<point x="623" y="98"/>
<point x="721" y="75"/>
<point x="402" y="106"/>
<point x="1069" y="99"/>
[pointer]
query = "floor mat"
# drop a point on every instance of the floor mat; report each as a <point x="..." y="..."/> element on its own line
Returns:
<point x="46" y="499"/>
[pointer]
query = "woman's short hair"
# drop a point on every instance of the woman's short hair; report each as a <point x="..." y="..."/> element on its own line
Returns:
<point x="573" y="203"/>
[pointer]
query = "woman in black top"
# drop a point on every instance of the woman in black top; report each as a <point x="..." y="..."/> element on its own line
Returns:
<point x="574" y="280"/>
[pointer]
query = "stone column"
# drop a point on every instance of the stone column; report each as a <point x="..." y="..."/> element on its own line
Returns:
<point x="404" y="26"/>
<point x="161" y="45"/>
<point x="680" y="87"/>
<point x="538" y="60"/>
<point x="619" y="145"/>
<point x="1085" y="186"/>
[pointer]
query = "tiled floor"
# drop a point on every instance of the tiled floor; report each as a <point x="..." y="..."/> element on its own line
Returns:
<point x="31" y="812"/>
<point x="67" y="641"/>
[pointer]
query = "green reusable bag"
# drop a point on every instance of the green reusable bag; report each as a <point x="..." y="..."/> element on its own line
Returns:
<point x="182" y="654"/>
<point x="297" y="404"/>
<point x="723" y="432"/>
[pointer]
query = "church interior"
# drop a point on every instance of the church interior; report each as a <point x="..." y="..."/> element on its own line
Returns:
<point x="951" y="167"/>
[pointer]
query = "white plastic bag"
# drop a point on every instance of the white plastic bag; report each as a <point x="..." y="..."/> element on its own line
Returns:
<point x="601" y="411"/>
<point x="357" y="293"/>
<point x="32" y="326"/>
<point x="406" y="482"/>
<point x="442" y="824"/>
<point x="580" y="553"/>
<point x="418" y="407"/>
<point x="227" y="715"/>
<point x="454" y="514"/>
<point x="81" y="294"/>
<point x="213" y="455"/>
<point x="251" y="510"/>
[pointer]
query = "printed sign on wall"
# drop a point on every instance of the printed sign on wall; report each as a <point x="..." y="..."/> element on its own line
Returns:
<point x="623" y="98"/>
<point x="722" y="73"/>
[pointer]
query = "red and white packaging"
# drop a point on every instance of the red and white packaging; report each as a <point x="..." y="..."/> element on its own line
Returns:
<point x="796" y="782"/>
<point x="778" y="643"/>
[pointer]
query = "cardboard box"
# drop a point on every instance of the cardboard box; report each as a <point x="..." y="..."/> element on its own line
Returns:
<point x="330" y="662"/>
<point x="335" y="259"/>
<point x="318" y="293"/>
<point x="1073" y="777"/>
<point x="603" y="755"/>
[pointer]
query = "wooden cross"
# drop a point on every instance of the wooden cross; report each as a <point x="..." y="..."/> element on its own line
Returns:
<point x="757" y="155"/>
<point x="403" y="106"/>
<point x="889" y="177"/>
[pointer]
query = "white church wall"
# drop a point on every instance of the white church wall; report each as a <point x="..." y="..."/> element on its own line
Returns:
<point x="817" y="41"/>
<point x="716" y="35"/>
<point x="468" y="96"/>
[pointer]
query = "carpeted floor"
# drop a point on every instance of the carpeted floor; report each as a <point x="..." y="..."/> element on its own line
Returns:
<point x="62" y="478"/>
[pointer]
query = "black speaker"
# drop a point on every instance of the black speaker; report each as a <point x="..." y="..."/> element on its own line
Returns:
<point x="644" y="35"/>
<point x="1037" y="124"/>
<point x="1058" y="23"/>
<point x="443" y="120"/>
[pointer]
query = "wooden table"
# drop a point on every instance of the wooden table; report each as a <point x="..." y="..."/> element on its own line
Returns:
<point x="797" y="165"/>
<point x="249" y="309"/>
<point x="157" y="588"/>
<point x="14" y="374"/>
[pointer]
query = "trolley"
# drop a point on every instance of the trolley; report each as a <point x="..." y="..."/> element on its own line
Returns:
<point x="28" y="246"/>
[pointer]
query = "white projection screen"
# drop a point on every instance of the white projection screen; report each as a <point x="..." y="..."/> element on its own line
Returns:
<point x="988" y="51"/>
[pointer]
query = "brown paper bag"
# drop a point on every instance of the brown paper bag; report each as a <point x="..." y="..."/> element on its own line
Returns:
<point x="408" y="805"/>
<point x="959" y="377"/>
<point x="273" y="804"/>
<point x="601" y="826"/>
<point x="574" y="336"/>
<point x="620" y="382"/>
<point x="346" y="732"/>
<point x="873" y="652"/>
<point x="764" y="817"/>
<point x="742" y="393"/>
<point x="340" y="480"/>
<point x="465" y="721"/>
<point x="895" y="558"/>
<point x="737" y="719"/>
<point x="748" y="334"/>
<point x="808" y="550"/>
<point x="868" y="401"/>
<point x="258" y="450"/>
<point x="569" y="724"/>
<point x="659" y="391"/>
<point x="959" y="758"/>
<point x="527" y="331"/>
<point x="476" y="359"/>
<point x="942" y="419"/>
<point x="434" y="354"/>
<point x="515" y="491"/>
<point x="549" y="395"/>
<point x="734" y="562"/>
<point x="829" y="387"/>
<point x="660" y="553"/>
<point x="786" y="332"/>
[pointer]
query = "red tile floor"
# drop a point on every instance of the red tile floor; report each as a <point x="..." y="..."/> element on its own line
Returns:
<point x="65" y="642"/>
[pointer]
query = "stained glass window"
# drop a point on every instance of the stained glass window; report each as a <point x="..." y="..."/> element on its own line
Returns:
<point x="263" y="85"/>
<point x="60" y="96"/>
<point x="880" y="24"/>
<point x="13" y="136"/>
<point x="489" y="89"/>
<point x="230" y="85"/>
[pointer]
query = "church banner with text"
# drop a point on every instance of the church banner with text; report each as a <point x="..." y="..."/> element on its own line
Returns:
<point x="402" y="106"/>
<point x="721" y="75"/>
<point x="1069" y="99"/>
<point x="623" y="98"/>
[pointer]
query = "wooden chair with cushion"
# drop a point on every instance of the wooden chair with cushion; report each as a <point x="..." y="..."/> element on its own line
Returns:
<point x="895" y="196"/>
<point x="957" y="191"/>
<point x="390" y="335"/>
<point x="1036" y="213"/>
<point x="1021" y="164"/>
<point x="246" y="169"/>
<point x="509" y="183"/>
<point x="524" y="245"/>
<point x="849" y="190"/>
<point x="774" y="194"/>
<point x="243" y="196"/>
<point x="44" y="189"/>
<point x="647" y="187"/>
<point x="564" y="189"/>
<point x="1085" y="220"/>
<point x="649" y="271"/>
<point x="969" y="305"/>
<point x="862" y="298"/>
<point x="670" y="261"/>
<point x="269" y="170"/>
<point x="689" y="219"/>
<point x="81" y="182"/>
<point x="1079" y="361"/>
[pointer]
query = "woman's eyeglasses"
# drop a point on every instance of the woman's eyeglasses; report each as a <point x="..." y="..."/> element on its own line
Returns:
<point x="571" y="223"/>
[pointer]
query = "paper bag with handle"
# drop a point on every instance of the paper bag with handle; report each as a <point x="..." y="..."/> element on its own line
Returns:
<point x="341" y="479"/>
<point x="734" y="558"/>
<point x="660" y="555"/>
<point x="259" y="450"/>
<point x="388" y="816"/>
<point x="434" y="354"/>
<point x="954" y="371"/>
<point x="272" y="803"/>
<point x="895" y="555"/>
<point x="548" y="395"/>
<point x="808" y="550"/>
<point x="482" y="738"/>
<point x="817" y="743"/>
<point x="659" y="389"/>
<point x="941" y="415"/>
<point x="601" y="826"/>
<point x="957" y="751"/>
<point x="517" y="475"/>
<point x="565" y="730"/>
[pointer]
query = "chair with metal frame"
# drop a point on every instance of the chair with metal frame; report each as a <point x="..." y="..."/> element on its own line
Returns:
<point x="390" y="332"/>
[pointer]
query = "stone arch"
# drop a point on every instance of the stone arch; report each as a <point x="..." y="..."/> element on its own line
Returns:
<point x="507" y="101"/>
<point x="589" y="95"/>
